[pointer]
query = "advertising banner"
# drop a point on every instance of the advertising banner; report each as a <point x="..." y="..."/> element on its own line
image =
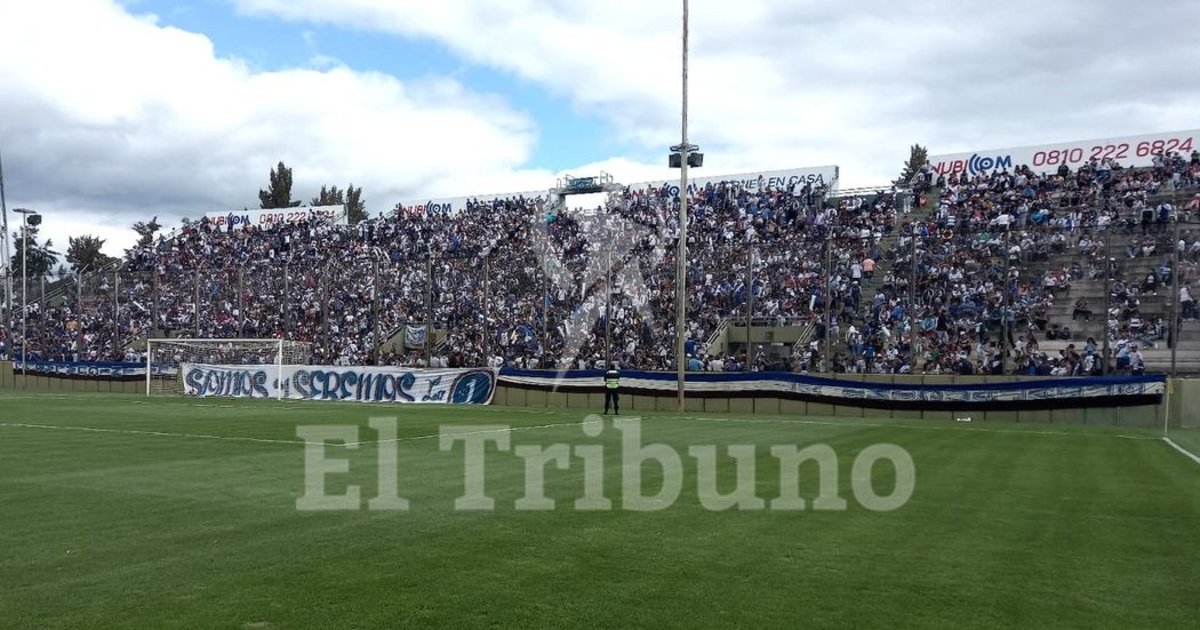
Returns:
<point x="1128" y="151"/>
<point x="359" y="384"/>
<point x="787" y="180"/>
<point x="267" y="219"/>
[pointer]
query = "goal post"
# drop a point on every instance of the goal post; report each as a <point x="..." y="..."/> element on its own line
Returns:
<point x="165" y="356"/>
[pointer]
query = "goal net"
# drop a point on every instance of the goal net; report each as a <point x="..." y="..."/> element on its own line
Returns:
<point x="165" y="356"/>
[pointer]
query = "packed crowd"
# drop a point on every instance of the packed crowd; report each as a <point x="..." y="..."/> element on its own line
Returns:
<point x="967" y="284"/>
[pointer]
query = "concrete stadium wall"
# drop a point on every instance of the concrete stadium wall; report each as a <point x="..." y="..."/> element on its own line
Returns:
<point x="1183" y="401"/>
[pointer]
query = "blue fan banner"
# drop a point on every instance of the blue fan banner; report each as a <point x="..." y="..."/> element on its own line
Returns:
<point x="1113" y="391"/>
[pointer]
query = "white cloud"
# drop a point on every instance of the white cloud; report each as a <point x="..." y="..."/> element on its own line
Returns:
<point x="107" y="118"/>
<point x="779" y="83"/>
<point x="104" y="113"/>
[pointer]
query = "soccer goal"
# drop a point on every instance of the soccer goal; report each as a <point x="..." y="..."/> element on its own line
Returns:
<point x="164" y="357"/>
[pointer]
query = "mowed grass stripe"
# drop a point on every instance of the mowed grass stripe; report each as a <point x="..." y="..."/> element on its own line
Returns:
<point x="1003" y="529"/>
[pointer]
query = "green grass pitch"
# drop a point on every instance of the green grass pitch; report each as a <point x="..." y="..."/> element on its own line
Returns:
<point x="123" y="512"/>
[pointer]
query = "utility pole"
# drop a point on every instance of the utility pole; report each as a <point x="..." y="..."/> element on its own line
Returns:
<point x="117" y="313"/>
<point x="545" y="312"/>
<point x="154" y="314"/>
<point x="1105" y="300"/>
<point x="487" y="276"/>
<point x="241" y="307"/>
<point x="5" y="252"/>
<point x="287" y="313"/>
<point x="429" y="311"/>
<point x="608" y="310"/>
<point x="913" y="324"/>
<point x="1004" y="313"/>
<point x="196" y="300"/>
<point x="827" y="294"/>
<point x="375" y="313"/>
<point x="749" y="307"/>
<point x="1175" y="321"/>
<point x="681" y="254"/>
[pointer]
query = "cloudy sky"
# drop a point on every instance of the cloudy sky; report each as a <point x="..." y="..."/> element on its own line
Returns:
<point x="115" y="111"/>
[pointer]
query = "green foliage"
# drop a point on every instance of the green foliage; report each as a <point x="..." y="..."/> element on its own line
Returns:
<point x="918" y="157"/>
<point x="41" y="257"/>
<point x="279" y="193"/>
<point x="83" y="253"/>
<point x="146" y="231"/>
<point x="350" y="199"/>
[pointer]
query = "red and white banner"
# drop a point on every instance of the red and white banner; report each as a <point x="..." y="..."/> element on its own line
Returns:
<point x="1128" y="151"/>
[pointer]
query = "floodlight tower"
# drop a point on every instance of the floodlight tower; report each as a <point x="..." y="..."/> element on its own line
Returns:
<point x="682" y="156"/>
<point x="5" y="253"/>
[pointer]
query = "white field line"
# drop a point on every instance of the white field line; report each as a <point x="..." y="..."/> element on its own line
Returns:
<point x="1186" y="453"/>
<point x="957" y="427"/>
<point x="193" y="436"/>
<point x="457" y="434"/>
<point x="199" y="436"/>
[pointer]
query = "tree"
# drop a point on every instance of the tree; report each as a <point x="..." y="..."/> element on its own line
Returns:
<point x="330" y="196"/>
<point x="350" y="199"/>
<point x="917" y="159"/>
<point x="146" y="230"/>
<point x="84" y="253"/>
<point x="41" y="258"/>
<point x="356" y="208"/>
<point x="279" y="193"/>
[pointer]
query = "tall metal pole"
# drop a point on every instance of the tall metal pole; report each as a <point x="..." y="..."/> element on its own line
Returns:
<point x="608" y="310"/>
<point x="24" y="296"/>
<point x="1105" y="300"/>
<point x="828" y="296"/>
<point x="1004" y="313"/>
<point x="545" y="312"/>
<point x="429" y="313"/>
<point x="681" y="255"/>
<point x="241" y="306"/>
<point x="485" y="342"/>
<point x="913" y="324"/>
<point x="6" y="263"/>
<point x="375" y="313"/>
<point x="196" y="303"/>
<point x="1175" y="323"/>
<point x="154" y="314"/>
<point x="749" y="307"/>
<point x="287" y="313"/>
<point x="117" y="314"/>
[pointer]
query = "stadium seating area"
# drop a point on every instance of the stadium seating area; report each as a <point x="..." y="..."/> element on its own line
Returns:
<point x="1003" y="261"/>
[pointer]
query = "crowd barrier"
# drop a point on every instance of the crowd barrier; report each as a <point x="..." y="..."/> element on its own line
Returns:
<point x="1181" y="398"/>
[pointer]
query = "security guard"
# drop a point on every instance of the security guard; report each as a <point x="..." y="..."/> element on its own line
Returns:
<point x="612" y="385"/>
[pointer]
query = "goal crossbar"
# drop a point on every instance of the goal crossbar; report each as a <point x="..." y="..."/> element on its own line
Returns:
<point x="279" y="346"/>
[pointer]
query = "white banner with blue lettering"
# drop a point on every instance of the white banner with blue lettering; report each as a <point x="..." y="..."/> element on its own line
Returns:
<point x="414" y="336"/>
<point x="1112" y="391"/>
<point x="359" y="384"/>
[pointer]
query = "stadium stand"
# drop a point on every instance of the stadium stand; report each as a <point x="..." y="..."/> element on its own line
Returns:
<point x="1000" y="272"/>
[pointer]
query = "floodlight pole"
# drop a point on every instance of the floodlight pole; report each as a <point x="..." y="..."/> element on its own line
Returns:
<point x="749" y="309"/>
<point x="1175" y="321"/>
<point x="24" y="299"/>
<point x="6" y="253"/>
<point x="25" y="213"/>
<point x="681" y="255"/>
<point x="608" y="310"/>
